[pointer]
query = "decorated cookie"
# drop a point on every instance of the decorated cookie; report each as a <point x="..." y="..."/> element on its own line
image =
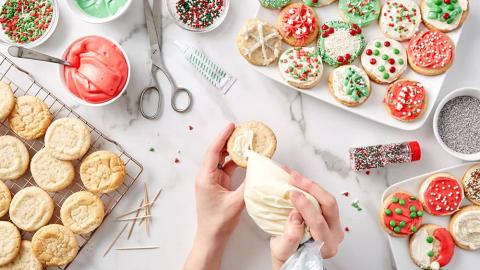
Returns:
<point x="274" y="4"/>
<point x="401" y="214"/>
<point x="301" y="67"/>
<point x="471" y="184"/>
<point x="318" y="3"/>
<point x="405" y="100"/>
<point x="361" y="12"/>
<point x="431" y="247"/>
<point x="444" y="15"/>
<point x="465" y="229"/>
<point x="400" y="19"/>
<point x="431" y="53"/>
<point x="349" y="85"/>
<point x="340" y="43"/>
<point x="259" y="42"/>
<point x="384" y="60"/>
<point x="298" y="24"/>
<point x="441" y="194"/>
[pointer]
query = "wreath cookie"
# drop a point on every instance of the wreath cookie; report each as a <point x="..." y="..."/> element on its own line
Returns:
<point x="301" y="67"/>
<point x="431" y="53"/>
<point x="405" y="100"/>
<point x="444" y="15"/>
<point x="340" y="43"/>
<point x="400" y="19"/>
<point x="402" y="214"/>
<point x="298" y="24"/>
<point x="441" y="194"/>
<point x="318" y="3"/>
<point x="471" y="184"/>
<point x="361" y="12"/>
<point x="384" y="60"/>
<point x="274" y="4"/>
<point x="349" y="85"/>
<point x="431" y="247"/>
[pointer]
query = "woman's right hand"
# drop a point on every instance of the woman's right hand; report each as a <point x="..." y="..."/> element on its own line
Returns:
<point x="324" y="224"/>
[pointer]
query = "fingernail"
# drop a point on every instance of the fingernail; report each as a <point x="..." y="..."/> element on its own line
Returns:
<point x="296" y="219"/>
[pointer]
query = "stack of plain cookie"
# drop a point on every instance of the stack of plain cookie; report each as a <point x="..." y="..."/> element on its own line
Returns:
<point x="52" y="168"/>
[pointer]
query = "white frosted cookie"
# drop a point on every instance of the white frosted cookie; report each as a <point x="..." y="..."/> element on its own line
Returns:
<point x="444" y="15"/>
<point x="7" y="100"/>
<point x="14" y="158"/>
<point x="54" y="245"/>
<point x="400" y="19"/>
<point x="384" y="60"/>
<point x="31" y="208"/>
<point x="67" y="139"/>
<point x="49" y="173"/>
<point x="259" y="42"/>
<point x="25" y="260"/>
<point x="464" y="226"/>
<point x="301" y="67"/>
<point x="9" y="242"/>
<point x="5" y="199"/>
<point x="349" y="85"/>
<point x="82" y="212"/>
<point x="102" y="171"/>
<point x="30" y="117"/>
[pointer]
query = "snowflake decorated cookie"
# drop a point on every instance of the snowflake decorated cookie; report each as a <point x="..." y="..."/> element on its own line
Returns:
<point x="340" y="43"/>
<point x="400" y="19"/>
<point x="444" y="15"/>
<point x="318" y="3"/>
<point x="259" y="42"/>
<point x="361" y="12"/>
<point x="301" y="67"/>
<point x="349" y="85"/>
<point x="431" y="53"/>
<point x="405" y="100"/>
<point x="274" y="4"/>
<point x="298" y="24"/>
<point x="384" y="60"/>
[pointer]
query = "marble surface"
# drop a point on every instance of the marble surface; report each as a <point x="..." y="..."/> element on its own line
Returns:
<point x="313" y="138"/>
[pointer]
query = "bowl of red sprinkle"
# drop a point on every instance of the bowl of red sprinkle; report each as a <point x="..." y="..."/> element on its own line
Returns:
<point x="198" y="15"/>
<point x="27" y="23"/>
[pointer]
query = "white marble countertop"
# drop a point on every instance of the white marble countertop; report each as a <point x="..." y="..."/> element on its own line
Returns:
<point x="313" y="137"/>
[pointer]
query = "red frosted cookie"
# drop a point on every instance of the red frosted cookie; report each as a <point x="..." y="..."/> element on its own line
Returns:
<point x="441" y="194"/>
<point x="401" y="214"/>
<point x="431" y="247"/>
<point x="405" y="100"/>
<point x="298" y="24"/>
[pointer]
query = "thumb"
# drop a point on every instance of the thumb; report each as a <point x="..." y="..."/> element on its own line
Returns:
<point x="285" y="245"/>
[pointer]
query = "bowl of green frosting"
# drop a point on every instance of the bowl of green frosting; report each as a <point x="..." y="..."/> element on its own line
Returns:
<point x="98" y="11"/>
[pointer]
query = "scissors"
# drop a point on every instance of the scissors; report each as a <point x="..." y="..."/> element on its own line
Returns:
<point x="154" y="29"/>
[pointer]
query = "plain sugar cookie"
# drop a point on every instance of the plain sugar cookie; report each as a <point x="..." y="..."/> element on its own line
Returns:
<point x="49" y="173"/>
<point x="259" y="42"/>
<point x="102" y="171"/>
<point x="5" y="199"/>
<point x="14" y="158"/>
<point x="54" y="245"/>
<point x="82" y="212"/>
<point x="67" y="139"/>
<point x="431" y="247"/>
<point x="31" y="208"/>
<point x="7" y="100"/>
<point x="30" y="117"/>
<point x="9" y="242"/>
<point x="25" y="260"/>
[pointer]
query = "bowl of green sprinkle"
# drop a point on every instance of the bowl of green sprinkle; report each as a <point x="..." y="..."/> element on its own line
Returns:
<point x="199" y="16"/>
<point x="27" y="23"/>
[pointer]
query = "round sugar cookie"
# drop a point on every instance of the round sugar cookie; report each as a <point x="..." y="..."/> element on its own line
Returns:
<point x="349" y="85"/>
<point x="405" y="100"/>
<point x="441" y="194"/>
<point x="384" y="60"/>
<point x="252" y="135"/>
<point x="102" y="171"/>
<point x="401" y="214"/>
<point x="67" y="139"/>
<point x="318" y="3"/>
<point x="25" y="260"/>
<point x="464" y="226"/>
<point x="7" y="100"/>
<point x="5" y="199"/>
<point x="444" y="15"/>
<point x="400" y="19"/>
<point x="82" y="212"/>
<point x="9" y="242"/>
<point x="298" y="24"/>
<point x="14" y="158"/>
<point x="54" y="245"/>
<point x="49" y="173"/>
<point x="274" y="4"/>
<point x="471" y="184"/>
<point x="259" y="42"/>
<point x="301" y="67"/>
<point x="30" y="117"/>
<point x="360" y="12"/>
<point x="31" y="208"/>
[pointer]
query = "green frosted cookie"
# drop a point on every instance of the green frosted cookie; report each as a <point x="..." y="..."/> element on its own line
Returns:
<point x="318" y="3"/>
<point x="361" y="12"/>
<point x="274" y="4"/>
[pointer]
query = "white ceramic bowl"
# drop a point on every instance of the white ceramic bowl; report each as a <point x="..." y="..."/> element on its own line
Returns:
<point x="171" y="6"/>
<point x="81" y="101"/>
<point x="73" y="6"/>
<point x="466" y="91"/>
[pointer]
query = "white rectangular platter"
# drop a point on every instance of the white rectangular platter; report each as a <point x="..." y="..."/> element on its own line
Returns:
<point x="373" y="108"/>
<point x="462" y="260"/>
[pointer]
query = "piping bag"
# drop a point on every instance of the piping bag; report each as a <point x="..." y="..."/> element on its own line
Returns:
<point x="307" y="257"/>
<point x="209" y="69"/>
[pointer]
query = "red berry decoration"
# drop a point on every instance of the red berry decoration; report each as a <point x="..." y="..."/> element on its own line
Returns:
<point x="392" y="69"/>
<point x="446" y="16"/>
<point x="387" y="43"/>
<point x="373" y="61"/>
<point x="354" y="25"/>
<point x="324" y="27"/>
<point x="391" y="61"/>
<point x="353" y="32"/>
<point x="359" y="30"/>
<point x="340" y="59"/>
<point x="347" y="56"/>
<point x="447" y="1"/>
<point x="331" y="30"/>
<point x="325" y="34"/>
<point x="369" y="52"/>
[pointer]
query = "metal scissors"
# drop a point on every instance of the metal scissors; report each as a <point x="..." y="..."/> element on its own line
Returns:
<point x="154" y="29"/>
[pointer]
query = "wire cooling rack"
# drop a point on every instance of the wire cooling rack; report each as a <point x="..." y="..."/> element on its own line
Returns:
<point x="22" y="83"/>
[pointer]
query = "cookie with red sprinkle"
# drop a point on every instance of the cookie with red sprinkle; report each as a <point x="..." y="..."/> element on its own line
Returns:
<point x="401" y="214"/>
<point x="301" y="67"/>
<point x="471" y="184"/>
<point x="298" y="24"/>
<point x="400" y="19"/>
<point x="405" y="100"/>
<point x="431" y="247"/>
<point x="441" y="194"/>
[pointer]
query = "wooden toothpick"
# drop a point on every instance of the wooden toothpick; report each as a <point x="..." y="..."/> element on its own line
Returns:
<point x="153" y="202"/>
<point x="133" y="218"/>
<point x="147" y="210"/>
<point x="133" y="222"/>
<point x="136" y="209"/>
<point x="115" y="240"/>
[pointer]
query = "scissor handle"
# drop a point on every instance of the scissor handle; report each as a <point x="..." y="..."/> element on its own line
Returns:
<point x="156" y="114"/>
<point x="176" y="93"/>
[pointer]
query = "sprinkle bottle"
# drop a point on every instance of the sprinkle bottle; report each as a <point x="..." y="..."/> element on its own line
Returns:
<point x="379" y="156"/>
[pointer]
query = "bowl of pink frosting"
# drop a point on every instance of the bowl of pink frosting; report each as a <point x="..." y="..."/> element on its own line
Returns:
<point x="100" y="70"/>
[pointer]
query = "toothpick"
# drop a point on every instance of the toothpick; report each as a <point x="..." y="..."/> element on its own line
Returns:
<point x="153" y="202"/>
<point x="147" y="210"/>
<point x="136" y="209"/>
<point x="133" y="222"/>
<point x="137" y="248"/>
<point x="115" y="240"/>
<point x="132" y="218"/>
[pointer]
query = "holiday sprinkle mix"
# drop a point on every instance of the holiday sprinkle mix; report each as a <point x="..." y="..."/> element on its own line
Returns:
<point x="199" y="13"/>
<point x="25" y="21"/>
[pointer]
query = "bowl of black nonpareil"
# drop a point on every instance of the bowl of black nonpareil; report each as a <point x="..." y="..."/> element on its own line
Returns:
<point x="456" y="123"/>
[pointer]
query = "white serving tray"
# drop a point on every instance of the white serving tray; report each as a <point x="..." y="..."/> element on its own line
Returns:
<point x="462" y="260"/>
<point x="373" y="108"/>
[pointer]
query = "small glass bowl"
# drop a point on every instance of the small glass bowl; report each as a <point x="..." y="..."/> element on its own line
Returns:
<point x="74" y="8"/>
<point x="171" y="5"/>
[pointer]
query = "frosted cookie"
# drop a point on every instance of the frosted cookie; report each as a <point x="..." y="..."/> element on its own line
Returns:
<point x="14" y="158"/>
<point x="384" y="60"/>
<point x="25" y="259"/>
<point x="30" y="117"/>
<point x="9" y="242"/>
<point x="82" y="212"/>
<point x="274" y="4"/>
<point x="5" y="199"/>
<point x="431" y="247"/>
<point x="259" y="42"/>
<point x="405" y="100"/>
<point x="7" y="100"/>
<point x="318" y="3"/>
<point x="471" y="184"/>
<point x="360" y="12"/>
<point x="349" y="85"/>
<point x="444" y="15"/>
<point x="465" y="227"/>
<point x="340" y="43"/>
<point x="400" y="19"/>
<point x="401" y="214"/>
<point x="298" y="24"/>
<point x="54" y="245"/>
<point x="301" y="67"/>
<point x="31" y="208"/>
<point x="49" y="173"/>
<point x="431" y="53"/>
<point x="67" y="139"/>
<point x="441" y="194"/>
<point x="254" y="136"/>
<point x="102" y="171"/>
